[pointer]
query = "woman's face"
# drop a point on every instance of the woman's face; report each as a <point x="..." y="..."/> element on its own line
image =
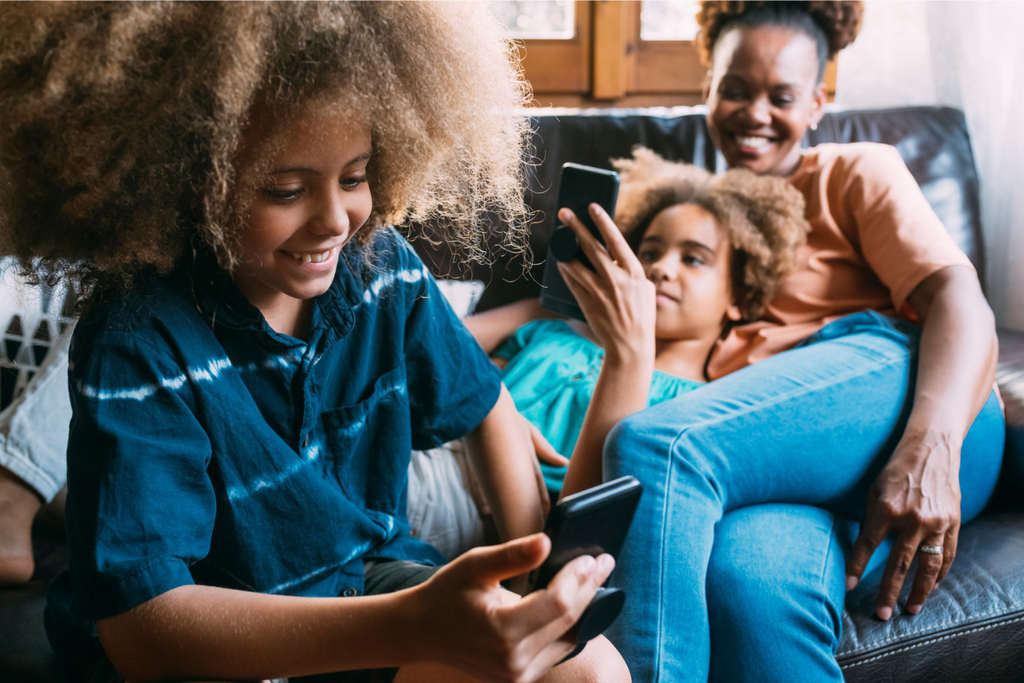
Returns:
<point x="314" y="200"/>
<point x="686" y="254"/>
<point x="764" y="93"/>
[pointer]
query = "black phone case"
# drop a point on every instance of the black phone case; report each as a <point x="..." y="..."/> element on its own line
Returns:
<point x="590" y="522"/>
<point x="578" y="187"/>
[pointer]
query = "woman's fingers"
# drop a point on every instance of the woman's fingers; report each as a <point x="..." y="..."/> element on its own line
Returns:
<point x="900" y="558"/>
<point x="929" y="566"/>
<point x="873" y="531"/>
<point x="950" y="545"/>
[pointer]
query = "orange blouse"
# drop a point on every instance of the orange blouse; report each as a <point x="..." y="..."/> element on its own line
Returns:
<point x="873" y="239"/>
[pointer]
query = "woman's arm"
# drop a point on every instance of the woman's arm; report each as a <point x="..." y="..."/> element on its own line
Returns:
<point x="460" y="617"/>
<point x="492" y="327"/>
<point x="619" y="303"/>
<point x="917" y="495"/>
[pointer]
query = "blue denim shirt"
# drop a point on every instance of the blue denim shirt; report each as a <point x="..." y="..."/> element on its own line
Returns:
<point x="207" y="448"/>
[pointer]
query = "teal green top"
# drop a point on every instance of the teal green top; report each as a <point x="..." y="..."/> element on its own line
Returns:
<point x="551" y="374"/>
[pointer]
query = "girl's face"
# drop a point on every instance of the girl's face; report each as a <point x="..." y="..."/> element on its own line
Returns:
<point x="763" y="94"/>
<point x="314" y="201"/>
<point x="686" y="254"/>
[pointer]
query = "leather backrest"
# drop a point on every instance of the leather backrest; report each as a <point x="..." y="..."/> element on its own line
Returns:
<point x="932" y="140"/>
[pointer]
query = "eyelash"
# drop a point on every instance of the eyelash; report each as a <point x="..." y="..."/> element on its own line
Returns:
<point x="285" y="196"/>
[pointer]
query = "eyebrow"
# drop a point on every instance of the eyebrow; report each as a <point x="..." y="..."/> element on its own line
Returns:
<point x="692" y="244"/>
<point x="306" y="169"/>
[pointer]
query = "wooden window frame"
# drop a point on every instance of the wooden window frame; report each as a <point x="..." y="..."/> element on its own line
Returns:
<point x="607" y="64"/>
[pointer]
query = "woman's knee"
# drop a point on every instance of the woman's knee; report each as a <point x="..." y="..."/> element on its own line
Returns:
<point x="644" y="443"/>
<point x="777" y="564"/>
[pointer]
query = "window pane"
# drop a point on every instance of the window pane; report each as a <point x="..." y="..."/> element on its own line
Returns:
<point x="533" y="19"/>
<point x="668" y="19"/>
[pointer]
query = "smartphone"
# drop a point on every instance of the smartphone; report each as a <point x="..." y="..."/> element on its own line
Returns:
<point x="578" y="187"/>
<point x="590" y="522"/>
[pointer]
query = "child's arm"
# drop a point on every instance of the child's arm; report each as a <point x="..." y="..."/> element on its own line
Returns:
<point x="619" y="303"/>
<point x="460" y="617"/>
<point x="492" y="327"/>
<point x="505" y="466"/>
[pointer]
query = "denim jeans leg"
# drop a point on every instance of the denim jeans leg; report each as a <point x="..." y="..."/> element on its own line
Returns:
<point x="775" y="587"/>
<point x="810" y="426"/>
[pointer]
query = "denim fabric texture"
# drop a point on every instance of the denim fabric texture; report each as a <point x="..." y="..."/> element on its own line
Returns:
<point x="207" y="448"/>
<point x="735" y="568"/>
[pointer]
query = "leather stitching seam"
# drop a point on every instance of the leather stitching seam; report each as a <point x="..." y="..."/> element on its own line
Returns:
<point x="931" y="641"/>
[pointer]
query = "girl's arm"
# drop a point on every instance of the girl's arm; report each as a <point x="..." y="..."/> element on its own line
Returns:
<point x="492" y="327"/>
<point x="619" y="303"/>
<point x="460" y="617"/>
<point x="917" y="495"/>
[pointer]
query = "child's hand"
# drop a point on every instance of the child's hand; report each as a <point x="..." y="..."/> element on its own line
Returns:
<point x="465" y="619"/>
<point x="616" y="297"/>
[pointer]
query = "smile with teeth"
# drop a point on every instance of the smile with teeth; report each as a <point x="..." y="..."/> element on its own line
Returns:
<point x="313" y="256"/>
<point x="752" y="141"/>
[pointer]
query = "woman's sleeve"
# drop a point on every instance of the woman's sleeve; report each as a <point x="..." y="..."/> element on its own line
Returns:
<point x="140" y="506"/>
<point x="899" y="234"/>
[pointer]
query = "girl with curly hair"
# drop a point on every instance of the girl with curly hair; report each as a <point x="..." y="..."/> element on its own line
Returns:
<point x="259" y="354"/>
<point x="707" y="253"/>
<point x="854" y="400"/>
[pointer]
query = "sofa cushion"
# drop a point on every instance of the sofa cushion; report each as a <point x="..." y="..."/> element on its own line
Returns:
<point x="971" y="628"/>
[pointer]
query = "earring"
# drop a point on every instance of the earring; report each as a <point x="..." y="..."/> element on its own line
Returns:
<point x="814" y="126"/>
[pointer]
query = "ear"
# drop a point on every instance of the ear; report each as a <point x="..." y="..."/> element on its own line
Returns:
<point x="733" y="313"/>
<point x="705" y="88"/>
<point x="818" y="104"/>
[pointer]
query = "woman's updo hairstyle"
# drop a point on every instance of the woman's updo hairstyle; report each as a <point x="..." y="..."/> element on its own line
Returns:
<point x="832" y="25"/>
<point x="763" y="217"/>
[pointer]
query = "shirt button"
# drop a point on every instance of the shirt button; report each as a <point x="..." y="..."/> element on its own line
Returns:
<point x="350" y="592"/>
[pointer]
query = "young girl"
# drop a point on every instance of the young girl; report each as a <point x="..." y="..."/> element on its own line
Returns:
<point x="259" y="356"/>
<point x="709" y="252"/>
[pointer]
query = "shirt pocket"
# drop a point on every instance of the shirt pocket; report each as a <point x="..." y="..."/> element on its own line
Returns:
<point x="370" y="444"/>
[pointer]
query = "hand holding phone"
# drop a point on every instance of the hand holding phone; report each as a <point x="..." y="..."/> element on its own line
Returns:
<point x="578" y="187"/>
<point x="591" y="522"/>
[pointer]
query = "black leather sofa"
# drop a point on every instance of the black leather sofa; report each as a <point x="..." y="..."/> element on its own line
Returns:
<point x="972" y="628"/>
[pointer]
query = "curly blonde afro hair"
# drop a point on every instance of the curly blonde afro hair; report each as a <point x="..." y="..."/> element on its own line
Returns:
<point x="122" y="122"/>
<point x="763" y="217"/>
<point x="833" y="25"/>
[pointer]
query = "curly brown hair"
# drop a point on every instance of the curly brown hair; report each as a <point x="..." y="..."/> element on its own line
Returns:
<point x="119" y="147"/>
<point x="833" y="25"/>
<point x="763" y="217"/>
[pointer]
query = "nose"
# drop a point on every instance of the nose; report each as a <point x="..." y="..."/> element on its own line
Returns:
<point x="759" y="111"/>
<point x="663" y="269"/>
<point x="332" y="215"/>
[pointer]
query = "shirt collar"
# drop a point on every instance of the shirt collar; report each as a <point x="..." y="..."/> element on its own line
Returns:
<point x="222" y="304"/>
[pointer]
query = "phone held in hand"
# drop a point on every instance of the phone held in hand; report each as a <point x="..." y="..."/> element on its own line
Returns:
<point x="591" y="522"/>
<point x="578" y="187"/>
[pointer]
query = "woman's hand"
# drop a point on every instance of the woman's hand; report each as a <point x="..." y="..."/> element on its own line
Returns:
<point x="916" y="498"/>
<point x="917" y="495"/>
<point x="465" y="619"/>
<point x="616" y="297"/>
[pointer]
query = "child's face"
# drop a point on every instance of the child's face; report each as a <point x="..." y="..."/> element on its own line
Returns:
<point x="686" y="254"/>
<point x="315" y="200"/>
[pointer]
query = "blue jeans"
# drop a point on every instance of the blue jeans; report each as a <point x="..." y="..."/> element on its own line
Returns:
<point x="751" y="488"/>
